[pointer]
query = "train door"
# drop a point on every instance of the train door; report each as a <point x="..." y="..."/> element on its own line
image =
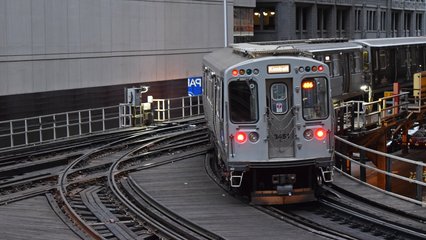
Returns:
<point x="280" y="118"/>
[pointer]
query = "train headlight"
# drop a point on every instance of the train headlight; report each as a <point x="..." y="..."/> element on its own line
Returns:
<point x="320" y="133"/>
<point x="308" y="134"/>
<point x="253" y="136"/>
<point x="241" y="137"/>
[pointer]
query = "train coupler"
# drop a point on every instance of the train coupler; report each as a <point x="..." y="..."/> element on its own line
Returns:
<point x="284" y="183"/>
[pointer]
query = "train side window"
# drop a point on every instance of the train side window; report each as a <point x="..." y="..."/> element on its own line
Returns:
<point x="336" y="65"/>
<point x="357" y="62"/>
<point x="243" y="101"/>
<point x="315" y="98"/>
<point x="383" y="60"/>
<point x="218" y="98"/>
<point x="279" y="100"/>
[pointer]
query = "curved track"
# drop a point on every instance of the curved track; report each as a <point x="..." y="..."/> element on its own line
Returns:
<point x="111" y="191"/>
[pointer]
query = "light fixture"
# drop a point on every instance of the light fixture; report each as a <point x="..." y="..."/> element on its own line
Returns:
<point x="364" y="88"/>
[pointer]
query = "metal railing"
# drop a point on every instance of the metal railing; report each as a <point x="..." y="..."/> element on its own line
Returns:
<point x="41" y="129"/>
<point x="344" y="164"/>
<point x="177" y="108"/>
<point x="46" y="128"/>
<point x="358" y="115"/>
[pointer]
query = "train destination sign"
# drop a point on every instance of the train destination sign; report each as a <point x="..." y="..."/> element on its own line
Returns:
<point x="282" y="68"/>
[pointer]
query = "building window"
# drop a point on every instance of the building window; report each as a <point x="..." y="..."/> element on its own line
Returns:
<point x="341" y="20"/>
<point x="382" y="21"/>
<point x="407" y="22"/>
<point x="358" y="20"/>
<point x="394" y="22"/>
<point x="243" y="25"/>
<point x="371" y="20"/>
<point x="322" y="21"/>
<point x="419" y="25"/>
<point x="301" y="18"/>
<point x="264" y="18"/>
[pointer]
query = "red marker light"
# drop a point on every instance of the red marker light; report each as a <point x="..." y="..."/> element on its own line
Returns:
<point x="320" y="68"/>
<point x="241" y="137"/>
<point x="320" y="134"/>
<point x="235" y="72"/>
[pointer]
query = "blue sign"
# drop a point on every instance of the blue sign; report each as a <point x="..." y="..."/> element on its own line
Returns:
<point x="194" y="86"/>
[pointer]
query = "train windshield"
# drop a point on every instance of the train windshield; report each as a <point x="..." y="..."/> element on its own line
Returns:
<point x="243" y="101"/>
<point x="315" y="98"/>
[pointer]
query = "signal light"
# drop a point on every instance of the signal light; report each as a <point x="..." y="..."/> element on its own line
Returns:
<point x="255" y="71"/>
<point x="320" y="68"/>
<point x="320" y="134"/>
<point x="314" y="68"/>
<point x="307" y="69"/>
<point x="249" y="71"/>
<point x="242" y="71"/>
<point x="241" y="137"/>
<point x="308" y="85"/>
<point x="235" y="72"/>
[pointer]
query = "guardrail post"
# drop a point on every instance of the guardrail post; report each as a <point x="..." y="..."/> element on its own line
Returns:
<point x="168" y="109"/>
<point x="362" y="171"/>
<point x="79" y="123"/>
<point x="54" y="127"/>
<point x="352" y="118"/>
<point x="40" y="128"/>
<point x="419" y="177"/>
<point x="26" y="131"/>
<point x="90" y="121"/>
<point x="388" y="184"/>
<point x="11" y="133"/>
<point x="68" y="125"/>
<point x="103" y="118"/>
<point x="183" y="107"/>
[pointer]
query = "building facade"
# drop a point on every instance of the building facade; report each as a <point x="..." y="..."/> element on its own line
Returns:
<point x="301" y="19"/>
<point x="63" y="55"/>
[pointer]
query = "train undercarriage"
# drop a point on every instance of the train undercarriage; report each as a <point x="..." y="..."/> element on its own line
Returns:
<point x="277" y="185"/>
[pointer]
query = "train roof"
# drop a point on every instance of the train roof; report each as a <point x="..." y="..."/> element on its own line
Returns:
<point x="325" y="47"/>
<point x="389" y="42"/>
<point x="223" y="58"/>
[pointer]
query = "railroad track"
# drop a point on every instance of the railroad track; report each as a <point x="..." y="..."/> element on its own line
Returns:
<point x="33" y="170"/>
<point x="98" y="199"/>
<point x="335" y="216"/>
<point x="96" y="195"/>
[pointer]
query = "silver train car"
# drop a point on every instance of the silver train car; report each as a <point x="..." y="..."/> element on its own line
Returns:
<point x="270" y="114"/>
<point x="376" y="63"/>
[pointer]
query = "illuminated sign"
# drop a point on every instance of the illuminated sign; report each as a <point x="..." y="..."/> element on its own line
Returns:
<point x="284" y="68"/>
<point x="308" y="85"/>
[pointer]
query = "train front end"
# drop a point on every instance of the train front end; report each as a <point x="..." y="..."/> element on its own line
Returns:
<point x="278" y="131"/>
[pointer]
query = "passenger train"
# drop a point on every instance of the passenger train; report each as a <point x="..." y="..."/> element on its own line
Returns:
<point x="376" y="63"/>
<point x="270" y="114"/>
